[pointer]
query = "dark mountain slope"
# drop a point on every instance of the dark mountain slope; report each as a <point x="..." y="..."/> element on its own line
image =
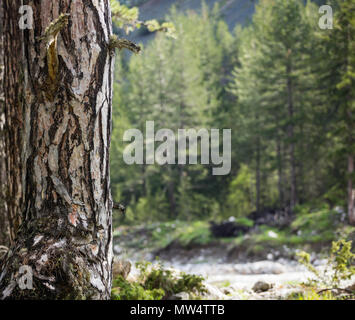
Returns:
<point x="233" y="11"/>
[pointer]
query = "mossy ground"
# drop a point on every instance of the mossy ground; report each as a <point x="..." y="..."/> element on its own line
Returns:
<point x="310" y="230"/>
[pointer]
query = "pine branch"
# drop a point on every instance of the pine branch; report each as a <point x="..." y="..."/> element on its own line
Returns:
<point x="120" y="44"/>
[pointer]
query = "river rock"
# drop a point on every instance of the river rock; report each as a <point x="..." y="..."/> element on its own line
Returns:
<point x="227" y="290"/>
<point x="260" y="267"/>
<point x="214" y="293"/>
<point x="262" y="286"/>
<point x="179" y="296"/>
<point x="235" y="297"/>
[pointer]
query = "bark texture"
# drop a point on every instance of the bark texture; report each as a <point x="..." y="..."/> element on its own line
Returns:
<point x="4" y="227"/>
<point x="13" y="112"/>
<point x="60" y="90"/>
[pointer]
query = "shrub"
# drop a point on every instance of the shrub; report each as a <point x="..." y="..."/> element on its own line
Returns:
<point x="315" y="221"/>
<point x="339" y="266"/>
<point x="125" y="290"/>
<point x="154" y="277"/>
<point x="157" y="283"/>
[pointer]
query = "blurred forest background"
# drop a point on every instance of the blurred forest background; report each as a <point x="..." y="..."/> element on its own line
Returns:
<point x="283" y="85"/>
<point x="265" y="69"/>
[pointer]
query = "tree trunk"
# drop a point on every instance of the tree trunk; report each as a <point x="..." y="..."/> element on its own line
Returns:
<point x="4" y="227"/>
<point x="62" y="95"/>
<point x="257" y="174"/>
<point x="351" y="191"/>
<point x="350" y="127"/>
<point x="293" y="186"/>
<point x="280" y="172"/>
<point x="13" y="116"/>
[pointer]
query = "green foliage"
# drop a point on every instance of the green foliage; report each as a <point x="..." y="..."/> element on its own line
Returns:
<point x="305" y="259"/>
<point x="174" y="82"/>
<point x="320" y="224"/>
<point x="312" y="295"/>
<point x="123" y="16"/>
<point x="340" y="266"/>
<point x="270" y="83"/>
<point x="127" y="19"/>
<point x="243" y="221"/>
<point x="156" y="283"/>
<point x="342" y="261"/>
<point x="287" y="94"/>
<point x="125" y="290"/>
<point x="197" y="232"/>
<point x="242" y="193"/>
<point x="225" y="284"/>
<point x="316" y="222"/>
<point x="186" y="234"/>
<point x="159" y="277"/>
<point x="166" y="233"/>
<point x="159" y="235"/>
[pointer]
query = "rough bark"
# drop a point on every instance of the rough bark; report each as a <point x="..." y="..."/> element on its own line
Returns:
<point x="13" y="95"/>
<point x="63" y="89"/>
<point x="4" y="227"/>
